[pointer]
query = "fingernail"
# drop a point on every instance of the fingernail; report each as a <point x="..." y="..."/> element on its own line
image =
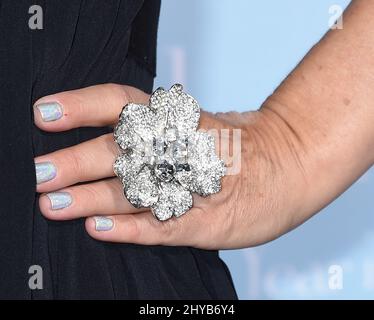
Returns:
<point x="103" y="224"/>
<point x="59" y="200"/>
<point x="45" y="171"/>
<point x="50" y="111"/>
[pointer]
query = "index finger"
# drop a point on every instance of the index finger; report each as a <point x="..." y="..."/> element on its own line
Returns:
<point x="94" y="106"/>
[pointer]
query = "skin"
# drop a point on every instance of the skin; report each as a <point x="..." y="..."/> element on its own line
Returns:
<point x="310" y="140"/>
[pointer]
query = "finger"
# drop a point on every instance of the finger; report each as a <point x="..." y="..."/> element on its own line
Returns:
<point x="87" y="161"/>
<point x="104" y="197"/>
<point x="144" y="228"/>
<point x="93" y="106"/>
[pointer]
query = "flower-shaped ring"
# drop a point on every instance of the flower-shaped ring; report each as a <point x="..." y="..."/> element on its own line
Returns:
<point x="163" y="157"/>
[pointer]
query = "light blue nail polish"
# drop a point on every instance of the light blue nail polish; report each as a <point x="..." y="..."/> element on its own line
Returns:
<point x="59" y="200"/>
<point x="50" y="111"/>
<point x="103" y="224"/>
<point x="45" y="171"/>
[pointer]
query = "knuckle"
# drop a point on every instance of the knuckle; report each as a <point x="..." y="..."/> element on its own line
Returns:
<point x="134" y="231"/>
<point x="167" y="230"/>
<point x="79" y="112"/>
<point x="76" y="160"/>
<point x="120" y="92"/>
<point x="74" y="105"/>
<point x="108" y="143"/>
<point x="90" y="198"/>
<point x="178" y="230"/>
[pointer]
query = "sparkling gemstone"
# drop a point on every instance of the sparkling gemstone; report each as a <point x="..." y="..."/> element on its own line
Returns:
<point x="165" y="171"/>
<point x="183" y="167"/>
<point x="163" y="158"/>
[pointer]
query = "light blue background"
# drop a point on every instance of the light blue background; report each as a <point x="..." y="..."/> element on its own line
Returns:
<point x="230" y="55"/>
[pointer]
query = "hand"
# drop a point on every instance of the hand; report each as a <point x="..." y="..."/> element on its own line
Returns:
<point x="224" y="220"/>
<point x="294" y="160"/>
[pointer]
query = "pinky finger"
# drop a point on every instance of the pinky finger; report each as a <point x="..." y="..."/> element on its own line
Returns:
<point x="142" y="228"/>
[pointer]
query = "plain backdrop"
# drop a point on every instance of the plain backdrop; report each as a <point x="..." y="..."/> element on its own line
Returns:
<point x="230" y="55"/>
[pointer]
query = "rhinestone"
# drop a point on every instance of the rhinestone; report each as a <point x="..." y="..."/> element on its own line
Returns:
<point x="163" y="158"/>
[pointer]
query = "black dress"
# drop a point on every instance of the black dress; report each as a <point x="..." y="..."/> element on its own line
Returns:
<point x="82" y="43"/>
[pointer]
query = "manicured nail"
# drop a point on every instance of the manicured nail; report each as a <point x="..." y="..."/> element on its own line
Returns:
<point x="50" y="111"/>
<point x="103" y="224"/>
<point x="59" y="200"/>
<point x="45" y="171"/>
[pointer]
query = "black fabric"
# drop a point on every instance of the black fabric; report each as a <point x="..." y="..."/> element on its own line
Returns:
<point x="82" y="43"/>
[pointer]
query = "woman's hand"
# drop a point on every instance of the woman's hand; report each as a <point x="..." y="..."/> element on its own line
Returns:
<point x="290" y="167"/>
<point x="238" y="216"/>
<point x="295" y="159"/>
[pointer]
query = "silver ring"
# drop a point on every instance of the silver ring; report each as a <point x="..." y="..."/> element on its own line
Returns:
<point x="163" y="158"/>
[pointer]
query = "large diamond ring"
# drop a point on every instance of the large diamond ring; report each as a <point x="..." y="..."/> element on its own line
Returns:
<point x="163" y="157"/>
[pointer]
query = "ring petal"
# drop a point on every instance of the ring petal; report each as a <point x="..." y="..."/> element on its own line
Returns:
<point x="139" y="183"/>
<point x="135" y="128"/>
<point x="176" y="109"/>
<point x="207" y="169"/>
<point x="173" y="200"/>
